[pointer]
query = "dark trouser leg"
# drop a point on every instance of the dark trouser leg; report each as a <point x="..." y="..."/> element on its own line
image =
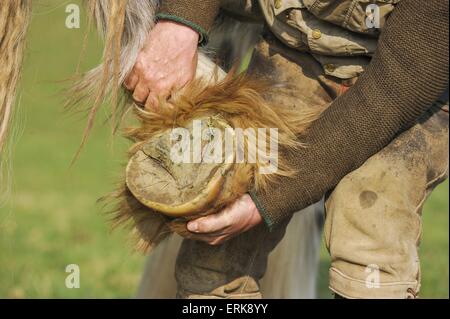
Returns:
<point x="231" y="270"/>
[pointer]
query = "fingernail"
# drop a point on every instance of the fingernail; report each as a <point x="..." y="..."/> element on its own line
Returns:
<point x="193" y="227"/>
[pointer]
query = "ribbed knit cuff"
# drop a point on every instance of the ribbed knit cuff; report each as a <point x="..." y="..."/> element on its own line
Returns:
<point x="275" y="207"/>
<point x="202" y="32"/>
<point x="266" y="217"/>
<point x="198" y="15"/>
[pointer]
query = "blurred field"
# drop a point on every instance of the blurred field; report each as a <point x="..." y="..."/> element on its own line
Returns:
<point x="51" y="218"/>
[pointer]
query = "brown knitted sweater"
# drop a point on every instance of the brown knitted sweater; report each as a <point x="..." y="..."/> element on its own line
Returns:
<point x="408" y="72"/>
<point x="199" y="15"/>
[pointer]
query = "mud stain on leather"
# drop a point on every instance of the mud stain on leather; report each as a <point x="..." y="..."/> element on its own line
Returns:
<point x="367" y="199"/>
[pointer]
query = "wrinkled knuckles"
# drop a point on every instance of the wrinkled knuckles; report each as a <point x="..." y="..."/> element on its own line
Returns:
<point x="139" y="97"/>
<point x="161" y="87"/>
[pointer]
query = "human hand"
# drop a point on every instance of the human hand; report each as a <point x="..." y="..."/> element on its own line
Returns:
<point x="215" y="229"/>
<point x="167" y="61"/>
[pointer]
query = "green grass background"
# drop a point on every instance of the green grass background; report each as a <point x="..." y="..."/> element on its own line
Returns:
<point x="51" y="218"/>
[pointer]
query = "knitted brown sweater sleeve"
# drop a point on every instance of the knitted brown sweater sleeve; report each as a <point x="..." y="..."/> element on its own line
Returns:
<point x="198" y="15"/>
<point x="407" y="74"/>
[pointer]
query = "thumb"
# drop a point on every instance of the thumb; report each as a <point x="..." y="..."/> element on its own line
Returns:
<point x="209" y="224"/>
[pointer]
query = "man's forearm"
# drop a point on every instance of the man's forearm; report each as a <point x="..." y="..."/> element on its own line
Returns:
<point x="198" y="15"/>
<point x="407" y="74"/>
